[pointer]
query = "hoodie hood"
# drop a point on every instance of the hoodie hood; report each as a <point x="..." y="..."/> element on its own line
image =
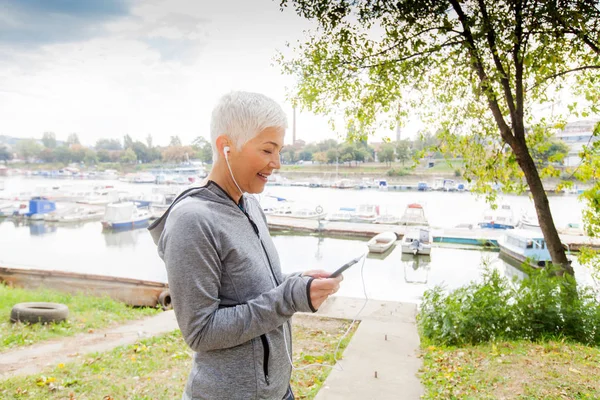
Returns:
<point x="211" y="191"/>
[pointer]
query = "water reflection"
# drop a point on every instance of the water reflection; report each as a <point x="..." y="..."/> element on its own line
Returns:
<point x="122" y="238"/>
<point x="416" y="268"/>
<point x="39" y="228"/>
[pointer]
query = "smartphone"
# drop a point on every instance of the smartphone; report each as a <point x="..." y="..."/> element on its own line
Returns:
<point x="346" y="266"/>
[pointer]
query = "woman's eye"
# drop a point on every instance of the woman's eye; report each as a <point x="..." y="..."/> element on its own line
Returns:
<point x="268" y="151"/>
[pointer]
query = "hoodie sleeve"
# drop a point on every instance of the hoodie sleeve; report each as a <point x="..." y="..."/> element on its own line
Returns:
<point x="191" y="256"/>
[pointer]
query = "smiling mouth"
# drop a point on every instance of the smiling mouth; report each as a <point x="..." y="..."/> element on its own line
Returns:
<point x="263" y="175"/>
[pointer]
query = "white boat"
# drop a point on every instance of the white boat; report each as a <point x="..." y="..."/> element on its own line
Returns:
<point x="367" y="212"/>
<point x="301" y="212"/>
<point x="529" y="222"/>
<point x="144" y="177"/>
<point x="417" y="241"/>
<point x="77" y="214"/>
<point x="343" y="184"/>
<point x="382" y="242"/>
<point x="125" y="215"/>
<point x="500" y="218"/>
<point x="100" y="197"/>
<point x="572" y="229"/>
<point x="414" y="215"/>
<point x="389" y="219"/>
<point x="344" y="214"/>
<point x="525" y="245"/>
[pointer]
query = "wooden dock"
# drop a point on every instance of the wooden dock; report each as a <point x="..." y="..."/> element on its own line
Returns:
<point x="485" y="238"/>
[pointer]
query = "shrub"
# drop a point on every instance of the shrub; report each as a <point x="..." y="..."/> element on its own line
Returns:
<point x="541" y="306"/>
<point x="398" y="172"/>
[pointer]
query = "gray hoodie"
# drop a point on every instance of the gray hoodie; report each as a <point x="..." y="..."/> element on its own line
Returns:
<point x="231" y="300"/>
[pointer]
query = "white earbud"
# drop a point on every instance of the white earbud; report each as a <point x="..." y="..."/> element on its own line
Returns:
<point x="226" y="150"/>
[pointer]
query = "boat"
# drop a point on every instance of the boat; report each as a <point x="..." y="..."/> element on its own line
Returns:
<point x="344" y="214"/>
<point x="525" y="246"/>
<point x="417" y="241"/>
<point x="101" y="197"/>
<point x="299" y="212"/>
<point x="343" y="184"/>
<point x="500" y="218"/>
<point x="382" y="242"/>
<point x="414" y="215"/>
<point x="134" y="292"/>
<point x="389" y="219"/>
<point x="528" y="222"/>
<point x="572" y="229"/>
<point x="38" y="207"/>
<point x="77" y="214"/>
<point x="367" y="213"/>
<point x="124" y="215"/>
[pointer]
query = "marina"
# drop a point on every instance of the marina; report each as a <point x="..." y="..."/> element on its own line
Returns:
<point x="459" y="248"/>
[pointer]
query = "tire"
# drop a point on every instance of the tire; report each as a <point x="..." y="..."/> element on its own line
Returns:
<point x="40" y="312"/>
<point x="164" y="299"/>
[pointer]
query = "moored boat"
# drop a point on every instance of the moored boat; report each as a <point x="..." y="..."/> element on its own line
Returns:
<point x="525" y="246"/>
<point x="126" y="215"/>
<point x="414" y="215"/>
<point x="382" y="242"/>
<point x="417" y="241"/>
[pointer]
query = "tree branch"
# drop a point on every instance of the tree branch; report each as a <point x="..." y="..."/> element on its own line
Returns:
<point x="408" y="57"/>
<point x="477" y="65"/>
<point x="504" y="81"/>
<point x="520" y="128"/>
<point x="564" y="73"/>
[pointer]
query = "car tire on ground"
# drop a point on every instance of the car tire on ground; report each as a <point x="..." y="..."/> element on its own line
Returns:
<point x="39" y="312"/>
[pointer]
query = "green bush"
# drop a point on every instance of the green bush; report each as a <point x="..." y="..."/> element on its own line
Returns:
<point x="397" y="172"/>
<point x="541" y="306"/>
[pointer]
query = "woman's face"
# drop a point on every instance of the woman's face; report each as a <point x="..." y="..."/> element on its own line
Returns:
<point x="257" y="159"/>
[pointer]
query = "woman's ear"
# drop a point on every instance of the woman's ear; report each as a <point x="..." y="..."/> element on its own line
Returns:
<point x="223" y="145"/>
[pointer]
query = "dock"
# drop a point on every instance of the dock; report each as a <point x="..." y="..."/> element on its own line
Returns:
<point x="483" y="238"/>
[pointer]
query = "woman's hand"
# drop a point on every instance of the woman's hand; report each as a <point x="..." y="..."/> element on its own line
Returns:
<point x="322" y="288"/>
<point x="317" y="273"/>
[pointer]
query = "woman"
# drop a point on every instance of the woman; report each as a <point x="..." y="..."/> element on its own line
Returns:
<point x="232" y="303"/>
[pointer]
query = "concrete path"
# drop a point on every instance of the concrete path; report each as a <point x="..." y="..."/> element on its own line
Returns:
<point x="32" y="359"/>
<point x="381" y="362"/>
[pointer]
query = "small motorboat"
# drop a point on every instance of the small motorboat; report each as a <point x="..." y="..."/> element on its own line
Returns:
<point x="382" y="242"/>
<point x="417" y="241"/>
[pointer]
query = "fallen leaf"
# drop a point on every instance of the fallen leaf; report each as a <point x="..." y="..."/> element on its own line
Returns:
<point x="576" y="371"/>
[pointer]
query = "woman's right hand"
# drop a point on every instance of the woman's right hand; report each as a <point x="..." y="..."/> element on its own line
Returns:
<point x="321" y="289"/>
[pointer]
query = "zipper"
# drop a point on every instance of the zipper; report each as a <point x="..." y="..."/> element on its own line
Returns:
<point x="267" y="350"/>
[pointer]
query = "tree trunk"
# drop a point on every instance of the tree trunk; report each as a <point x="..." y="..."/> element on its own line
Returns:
<point x="542" y="207"/>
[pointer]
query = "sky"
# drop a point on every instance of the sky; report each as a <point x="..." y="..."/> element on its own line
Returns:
<point x="106" y="68"/>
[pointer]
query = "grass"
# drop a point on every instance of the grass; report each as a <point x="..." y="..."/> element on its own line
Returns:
<point x="512" y="370"/>
<point x="157" y="368"/>
<point x="86" y="314"/>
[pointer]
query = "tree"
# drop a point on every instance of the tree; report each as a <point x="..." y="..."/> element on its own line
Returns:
<point x="403" y="151"/>
<point x="62" y="154"/>
<point x="142" y="152"/>
<point x="5" y="154"/>
<point x="127" y="142"/>
<point x="551" y="151"/>
<point x="49" y="140"/>
<point x="320" y="157"/>
<point x="149" y="141"/>
<point x="386" y="154"/>
<point x="305" y="155"/>
<point x="91" y="158"/>
<point x="78" y="153"/>
<point x="203" y="149"/>
<point x="175" y="141"/>
<point x="332" y="156"/>
<point x="28" y="149"/>
<point x="128" y="157"/>
<point x="103" y="155"/>
<point x="47" y="155"/>
<point x="108" y="144"/>
<point x="177" y="154"/>
<point x="477" y="68"/>
<point x="73" y="139"/>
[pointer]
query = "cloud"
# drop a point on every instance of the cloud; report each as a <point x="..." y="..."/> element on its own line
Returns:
<point x="32" y="23"/>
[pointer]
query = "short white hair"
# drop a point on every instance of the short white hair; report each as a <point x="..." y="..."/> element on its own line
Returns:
<point x="243" y="115"/>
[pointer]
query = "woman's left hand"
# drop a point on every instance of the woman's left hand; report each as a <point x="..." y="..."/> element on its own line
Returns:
<point x="317" y="273"/>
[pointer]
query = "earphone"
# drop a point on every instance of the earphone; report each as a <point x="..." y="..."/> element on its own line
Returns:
<point x="225" y="152"/>
<point x="335" y="359"/>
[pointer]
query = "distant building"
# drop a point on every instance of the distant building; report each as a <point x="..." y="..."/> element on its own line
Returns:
<point x="577" y="135"/>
